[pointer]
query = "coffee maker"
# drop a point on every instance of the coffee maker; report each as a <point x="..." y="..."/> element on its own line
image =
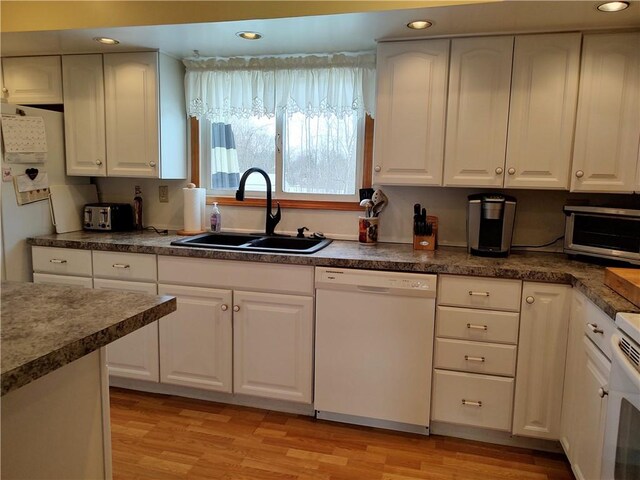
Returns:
<point x="490" y="219"/>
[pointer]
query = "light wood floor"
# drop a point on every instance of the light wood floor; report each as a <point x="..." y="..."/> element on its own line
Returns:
<point x="163" y="437"/>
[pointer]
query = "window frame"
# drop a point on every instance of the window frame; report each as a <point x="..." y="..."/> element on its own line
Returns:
<point x="283" y="198"/>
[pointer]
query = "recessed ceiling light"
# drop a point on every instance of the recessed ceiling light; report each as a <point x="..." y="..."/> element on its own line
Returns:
<point x="249" y="35"/>
<point x="419" y="24"/>
<point x="613" y="6"/>
<point x="106" y="40"/>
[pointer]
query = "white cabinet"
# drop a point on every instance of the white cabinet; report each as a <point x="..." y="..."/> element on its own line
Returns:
<point x="542" y="112"/>
<point x="605" y="152"/>
<point x="478" y="110"/>
<point x="196" y="339"/>
<point x="32" y="80"/>
<point x="544" y="320"/>
<point x="273" y="345"/>
<point x="66" y="266"/>
<point x="69" y="280"/>
<point x="411" y="104"/>
<point x="84" y="126"/>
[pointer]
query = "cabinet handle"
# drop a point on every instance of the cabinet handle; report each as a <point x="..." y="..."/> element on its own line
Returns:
<point x="98" y="162"/>
<point x="57" y="260"/>
<point x="152" y="164"/>
<point x="476" y="327"/>
<point x="377" y="168"/>
<point x="471" y="403"/>
<point x="474" y="359"/>
<point x="478" y="294"/>
<point x="499" y="171"/>
<point x="120" y="265"/>
<point x="602" y="392"/>
<point x="236" y="308"/>
<point x="579" y="174"/>
<point x="594" y="328"/>
<point x="224" y="307"/>
<point x="529" y="300"/>
<point x="511" y="171"/>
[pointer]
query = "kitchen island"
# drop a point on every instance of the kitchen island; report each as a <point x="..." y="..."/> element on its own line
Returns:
<point x="55" y="403"/>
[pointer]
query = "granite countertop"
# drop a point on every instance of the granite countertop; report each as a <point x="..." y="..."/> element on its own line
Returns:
<point x="45" y="327"/>
<point x="532" y="266"/>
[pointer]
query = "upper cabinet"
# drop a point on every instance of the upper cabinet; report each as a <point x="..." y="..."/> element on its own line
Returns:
<point x="478" y="111"/>
<point x="411" y="107"/>
<point x="542" y="112"/>
<point x="32" y="80"/>
<point x="133" y="124"/>
<point x="605" y="154"/>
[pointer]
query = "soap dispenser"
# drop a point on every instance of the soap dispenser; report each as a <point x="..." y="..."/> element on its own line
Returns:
<point x="216" y="218"/>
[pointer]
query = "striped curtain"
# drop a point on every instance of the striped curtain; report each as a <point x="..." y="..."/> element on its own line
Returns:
<point x="225" y="172"/>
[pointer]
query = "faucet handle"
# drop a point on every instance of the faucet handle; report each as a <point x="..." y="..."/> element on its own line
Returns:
<point x="301" y="231"/>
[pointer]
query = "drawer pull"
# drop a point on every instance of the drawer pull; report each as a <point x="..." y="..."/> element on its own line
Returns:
<point x="478" y="294"/>
<point x="476" y="327"/>
<point x="57" y="260"/>
<point x="471" y="403"/>
<point x="474" y="359"/>
<point x="120" y="265"/>
<point x="594" y="328"/>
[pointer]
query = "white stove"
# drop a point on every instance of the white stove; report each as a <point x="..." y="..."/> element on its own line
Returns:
<point x="629" y="323"/>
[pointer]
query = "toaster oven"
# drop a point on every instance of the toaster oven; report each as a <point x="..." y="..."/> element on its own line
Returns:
<point x="611" y="233"/>
<point x="112" y="217"/>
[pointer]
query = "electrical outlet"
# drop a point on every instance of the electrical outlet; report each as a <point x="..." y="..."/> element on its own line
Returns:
<point x="163" y="193"/>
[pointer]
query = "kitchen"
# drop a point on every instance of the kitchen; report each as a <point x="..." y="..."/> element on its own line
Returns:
<point x="540" y="218"/>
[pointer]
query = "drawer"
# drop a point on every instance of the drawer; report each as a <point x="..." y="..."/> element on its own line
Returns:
<point x="599" y="327"/>
<point x="480" y="292"/>
<point x="267" y="277"/>
<point x="472" y="399"/>
<point x="479" y="325"/>
<point x="475" y="357"/>
<point x="62" y="261"/>
<point x="139" y="267"/>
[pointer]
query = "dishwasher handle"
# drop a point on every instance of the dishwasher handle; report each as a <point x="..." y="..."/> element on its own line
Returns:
<point x="369" y="289"/>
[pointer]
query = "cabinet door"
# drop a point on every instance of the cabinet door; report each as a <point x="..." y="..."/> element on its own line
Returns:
<point x="33" y="80"/>
<point x="70" y="280"/>
<point x="544" y="320"/>
<point x="591" y="409"/>
<point x="478" y="109"/>
<point x="273" y="346"/>
<point x="131" y="108"/>
<point x="411" y="102"/>
<point x="135" y="355"/>
<point x="605" y="152"/>
<point x="84" y="134"/>
<point x="196" y="339"/>
<point x="542" y="113"/>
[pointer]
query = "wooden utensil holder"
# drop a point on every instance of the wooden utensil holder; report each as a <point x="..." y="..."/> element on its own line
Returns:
<point x="427" y="242"/>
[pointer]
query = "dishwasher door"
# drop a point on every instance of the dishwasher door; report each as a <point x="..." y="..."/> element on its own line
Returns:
<point x="374" y="342"/>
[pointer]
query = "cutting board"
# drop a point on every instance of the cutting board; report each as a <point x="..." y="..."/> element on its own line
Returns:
<point x="67" y="205"/>
<point x="625" y="281"/>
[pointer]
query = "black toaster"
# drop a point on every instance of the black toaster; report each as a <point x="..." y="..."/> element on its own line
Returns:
<point x="112" y="217"/>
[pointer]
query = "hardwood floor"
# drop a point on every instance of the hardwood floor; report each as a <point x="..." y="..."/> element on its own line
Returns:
<point x="163" y="437"/>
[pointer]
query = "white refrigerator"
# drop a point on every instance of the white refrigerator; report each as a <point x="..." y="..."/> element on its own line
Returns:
<point x="18" y="222"/>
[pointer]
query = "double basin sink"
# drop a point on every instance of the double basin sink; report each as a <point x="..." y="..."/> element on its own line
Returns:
<point x="254" y="243"/>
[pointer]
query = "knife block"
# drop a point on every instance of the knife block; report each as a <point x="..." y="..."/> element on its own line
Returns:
<point x="427" y="242"/>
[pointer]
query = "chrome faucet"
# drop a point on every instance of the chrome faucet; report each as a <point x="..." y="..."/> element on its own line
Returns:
<point x="272" y="220"/>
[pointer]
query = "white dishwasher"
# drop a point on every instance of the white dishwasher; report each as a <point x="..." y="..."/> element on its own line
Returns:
<point x="374" y="342"/>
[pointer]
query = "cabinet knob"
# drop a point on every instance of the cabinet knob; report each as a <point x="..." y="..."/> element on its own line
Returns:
<point x="602" y="392"/>
<point x="236" y="308"/>
<point x="98" y="162"/>
<point x="224" y="307"/>
<point x="499" y="171"/>
<point x="152" y="164"/>
<point x="579" y="174"/>
<point x="529" y="300"/>
<point x="377" y="168"/>
<point x="511" y="171"/>
<point x="5" y="90"/>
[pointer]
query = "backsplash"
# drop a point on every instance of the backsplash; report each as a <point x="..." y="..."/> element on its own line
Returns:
<point x="539" y="216"/>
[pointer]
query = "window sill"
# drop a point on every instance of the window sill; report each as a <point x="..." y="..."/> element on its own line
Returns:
<point x="285" y="203"/>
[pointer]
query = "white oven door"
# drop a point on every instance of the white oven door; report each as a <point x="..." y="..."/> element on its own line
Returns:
<point x="621" y="456"/>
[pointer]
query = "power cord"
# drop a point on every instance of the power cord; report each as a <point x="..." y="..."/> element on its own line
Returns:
<point x="159" y="232"/>
<point x="539" y="246"/>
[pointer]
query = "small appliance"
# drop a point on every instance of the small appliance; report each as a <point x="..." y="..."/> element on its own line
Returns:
<point x="112" y="217"/>
<point x="490" y="219"/>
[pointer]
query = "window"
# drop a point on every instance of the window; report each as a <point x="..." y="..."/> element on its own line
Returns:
<point x="300" y="119"/>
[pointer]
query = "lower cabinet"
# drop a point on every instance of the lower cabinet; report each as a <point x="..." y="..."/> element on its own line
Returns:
<point x="70" y="280"/>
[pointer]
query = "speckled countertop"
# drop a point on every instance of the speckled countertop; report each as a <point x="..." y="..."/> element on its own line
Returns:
<point x="45" y="327"/>
<point x="543" y="267"/>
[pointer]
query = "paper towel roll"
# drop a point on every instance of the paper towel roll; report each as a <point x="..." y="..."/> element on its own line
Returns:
<point x="193" y="208"/>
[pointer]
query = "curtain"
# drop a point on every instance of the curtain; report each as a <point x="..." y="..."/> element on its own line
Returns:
<point x="339" y="84"/>
<point x="225" y="172"/>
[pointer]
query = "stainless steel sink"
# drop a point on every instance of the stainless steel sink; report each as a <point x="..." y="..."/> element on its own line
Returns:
<point x="254" y="243"/>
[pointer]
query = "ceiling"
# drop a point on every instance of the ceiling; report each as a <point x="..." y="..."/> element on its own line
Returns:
<point x="327" y="33"/>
